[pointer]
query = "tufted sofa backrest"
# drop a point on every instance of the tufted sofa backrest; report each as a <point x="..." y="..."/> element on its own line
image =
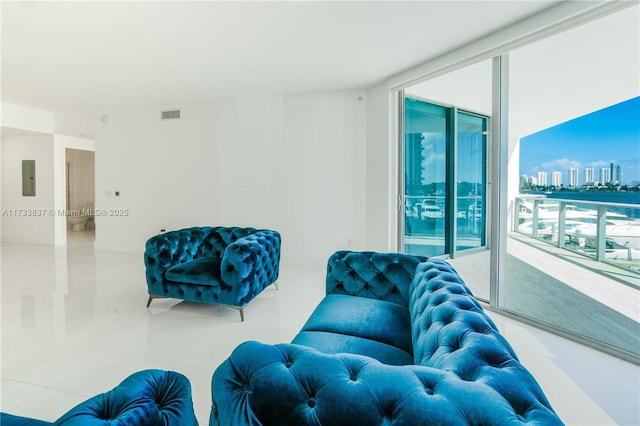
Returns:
<point x="382" y="276"/>
<point x="293" y="385"/>
<point x="145" y="398"/>
<point x="190" y="243"/>
<point x="217" y="238"/>
<point x="450" y="331"/>
<point x="184" y="245"/>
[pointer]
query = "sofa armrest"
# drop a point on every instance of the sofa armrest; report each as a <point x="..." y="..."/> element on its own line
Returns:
<point x="382" y="276"/>
<point x="451" y="331"/>
<point x="289" y="384"/>
<point x="166" y="250"/>
<point x="250" y="264"/>
<point x="146" y="398"/>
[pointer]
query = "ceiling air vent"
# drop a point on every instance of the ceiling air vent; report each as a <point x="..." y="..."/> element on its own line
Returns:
<point x="170" y="115"/>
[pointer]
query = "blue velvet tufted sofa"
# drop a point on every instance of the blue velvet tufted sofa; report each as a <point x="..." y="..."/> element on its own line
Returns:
<point x="397" y="340"/>
<point x="145" y="398"/>
<point x="226" y="265"/>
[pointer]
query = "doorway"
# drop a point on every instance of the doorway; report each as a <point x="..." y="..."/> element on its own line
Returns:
<point x="80" y="194"/>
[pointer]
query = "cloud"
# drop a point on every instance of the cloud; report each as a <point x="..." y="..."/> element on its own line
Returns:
<point x="561" y="164"/>
<point x="599" y="164"/>
<point x="435" y="158"/>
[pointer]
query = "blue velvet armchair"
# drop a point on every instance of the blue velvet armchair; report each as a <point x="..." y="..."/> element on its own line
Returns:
<point x="145" y="398"/>
<point x="225" y="265"/>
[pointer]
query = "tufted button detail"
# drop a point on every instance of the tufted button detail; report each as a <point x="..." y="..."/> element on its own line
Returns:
<point x="311" y="402"/>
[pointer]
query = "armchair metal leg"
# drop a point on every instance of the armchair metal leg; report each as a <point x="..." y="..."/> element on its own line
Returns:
<point x="153" y="297"/>
<point x="239" y="309"/>
<point x="275" y="284"/>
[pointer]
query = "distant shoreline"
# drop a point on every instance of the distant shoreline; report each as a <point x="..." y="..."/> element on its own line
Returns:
<point x="595" y="196"/>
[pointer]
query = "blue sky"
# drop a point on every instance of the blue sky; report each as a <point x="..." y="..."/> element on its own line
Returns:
<point x="610" y="135"/>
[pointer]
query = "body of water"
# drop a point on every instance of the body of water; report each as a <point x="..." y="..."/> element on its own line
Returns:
<point x="599" y="197"/>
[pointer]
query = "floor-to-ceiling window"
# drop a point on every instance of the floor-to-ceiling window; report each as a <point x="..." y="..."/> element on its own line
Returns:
<point x="574" y="132"/>
<point x="541" y="243"/>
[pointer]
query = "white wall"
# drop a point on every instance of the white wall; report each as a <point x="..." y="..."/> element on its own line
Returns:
<point x="380" y="183"/>
<point x="294" y="163"/>
<point x="468" y="88"/>
<point x="27" y="219"/>
<point x="20" y="117"/>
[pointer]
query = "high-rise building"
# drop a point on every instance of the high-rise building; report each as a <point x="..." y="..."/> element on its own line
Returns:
<point x="542" y="178"/>
<point x="524" y="179"/>
<point x="413" y="163"/>
<point x="556" y="178"/>
<point x="589" y="176"/>
<point x="605" y="176"/>
<point x="573" y="176"/>
<point x="615" y="173"/>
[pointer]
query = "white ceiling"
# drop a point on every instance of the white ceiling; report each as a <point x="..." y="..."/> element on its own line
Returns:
<point x="99" y="56"/>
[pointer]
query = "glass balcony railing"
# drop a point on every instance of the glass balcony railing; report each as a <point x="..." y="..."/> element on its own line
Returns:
<point x="606" y="232"/>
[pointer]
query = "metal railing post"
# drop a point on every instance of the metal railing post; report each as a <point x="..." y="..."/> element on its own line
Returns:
<point x="534" y="219"/>
<point x="601" y="233"/>
<point x="562" y="211"/>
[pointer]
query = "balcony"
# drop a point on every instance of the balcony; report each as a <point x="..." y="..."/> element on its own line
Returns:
<point x="576" y="265"/>
<point x="606" y="232"/>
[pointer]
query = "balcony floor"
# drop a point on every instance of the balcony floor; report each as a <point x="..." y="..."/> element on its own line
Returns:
<point x="564" y="289"/>
<point x="576" y="293"/>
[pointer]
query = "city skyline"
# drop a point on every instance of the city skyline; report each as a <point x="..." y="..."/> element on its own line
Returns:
<point x="612" y="174"/>
<point x="596" y="140"/>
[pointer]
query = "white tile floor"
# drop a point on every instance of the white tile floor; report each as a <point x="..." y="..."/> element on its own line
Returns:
<point x="74" y="324"/>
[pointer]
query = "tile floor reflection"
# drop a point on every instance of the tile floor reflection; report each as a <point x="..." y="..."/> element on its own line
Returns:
<point x="74" y="324"/>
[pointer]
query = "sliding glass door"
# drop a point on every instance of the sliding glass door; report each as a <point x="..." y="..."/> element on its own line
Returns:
<point x="471" y="181"/>
<point x="445" y="153"/>
<point x="424" y="178"/>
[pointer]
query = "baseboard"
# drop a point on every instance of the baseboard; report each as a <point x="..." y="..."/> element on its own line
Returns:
<point x="22" y="240"/>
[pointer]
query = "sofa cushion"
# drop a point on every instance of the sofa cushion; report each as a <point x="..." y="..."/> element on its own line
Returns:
<point x="335" y="343"/>
<point x="380" y="321"/>
<point x="203" y="270"/>
<point x="11" y="420"/>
